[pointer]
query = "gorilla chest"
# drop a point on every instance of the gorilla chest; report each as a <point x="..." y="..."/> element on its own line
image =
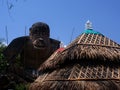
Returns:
<point x="33" y="53"/>
<point x="33" y="57"/>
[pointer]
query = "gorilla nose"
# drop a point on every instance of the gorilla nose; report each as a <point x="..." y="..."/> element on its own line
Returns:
<point x="39" y="43"/>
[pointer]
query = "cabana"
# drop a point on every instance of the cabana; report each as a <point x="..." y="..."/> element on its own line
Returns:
<point x="90" y="62"/>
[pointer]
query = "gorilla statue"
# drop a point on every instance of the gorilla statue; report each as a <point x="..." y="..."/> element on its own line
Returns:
<point x="33" y="49"/>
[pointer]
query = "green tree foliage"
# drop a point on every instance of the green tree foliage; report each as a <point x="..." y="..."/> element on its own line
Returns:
<point x="3" y="62"/>
<point x="22" y="86"/>
<point x="4" y="65"/>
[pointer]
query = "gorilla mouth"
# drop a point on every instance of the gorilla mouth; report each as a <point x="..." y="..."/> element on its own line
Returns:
<point x="38" y="46"/>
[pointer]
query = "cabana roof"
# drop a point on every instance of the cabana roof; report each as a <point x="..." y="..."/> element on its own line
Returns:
<point x="90" y="62"/>
<point x="90" y="46"/>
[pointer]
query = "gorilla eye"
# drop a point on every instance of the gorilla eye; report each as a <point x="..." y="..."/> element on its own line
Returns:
<point x="44" y="34"/>
<point x="35" y="31"/>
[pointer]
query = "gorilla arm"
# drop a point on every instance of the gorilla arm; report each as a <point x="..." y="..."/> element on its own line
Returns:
<point x="14" y="48"/>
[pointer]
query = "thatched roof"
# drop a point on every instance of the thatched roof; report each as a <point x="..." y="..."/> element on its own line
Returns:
<point x="88" y="47"/>
<point x="90" y="62"/>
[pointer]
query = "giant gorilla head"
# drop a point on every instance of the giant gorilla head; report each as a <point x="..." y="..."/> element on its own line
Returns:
<point x="39" y="35"/>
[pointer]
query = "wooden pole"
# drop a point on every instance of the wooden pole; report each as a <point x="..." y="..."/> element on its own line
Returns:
<point x="25" y="31"/>
<point x="6" y="31"/>
<point x="71" y="37"/>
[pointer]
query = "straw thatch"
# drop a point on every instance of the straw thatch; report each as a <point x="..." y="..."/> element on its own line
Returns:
<point x="90" y="62"/>
<point x="87" y="48"/>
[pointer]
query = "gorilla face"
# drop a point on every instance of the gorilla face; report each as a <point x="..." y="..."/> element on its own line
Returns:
<point x="39" y="35"/>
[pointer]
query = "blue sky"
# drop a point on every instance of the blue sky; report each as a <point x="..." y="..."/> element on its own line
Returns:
<point x="66" y="18"/>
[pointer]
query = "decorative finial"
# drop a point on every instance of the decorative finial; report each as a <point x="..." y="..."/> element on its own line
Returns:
<point x="88" y="25"/>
